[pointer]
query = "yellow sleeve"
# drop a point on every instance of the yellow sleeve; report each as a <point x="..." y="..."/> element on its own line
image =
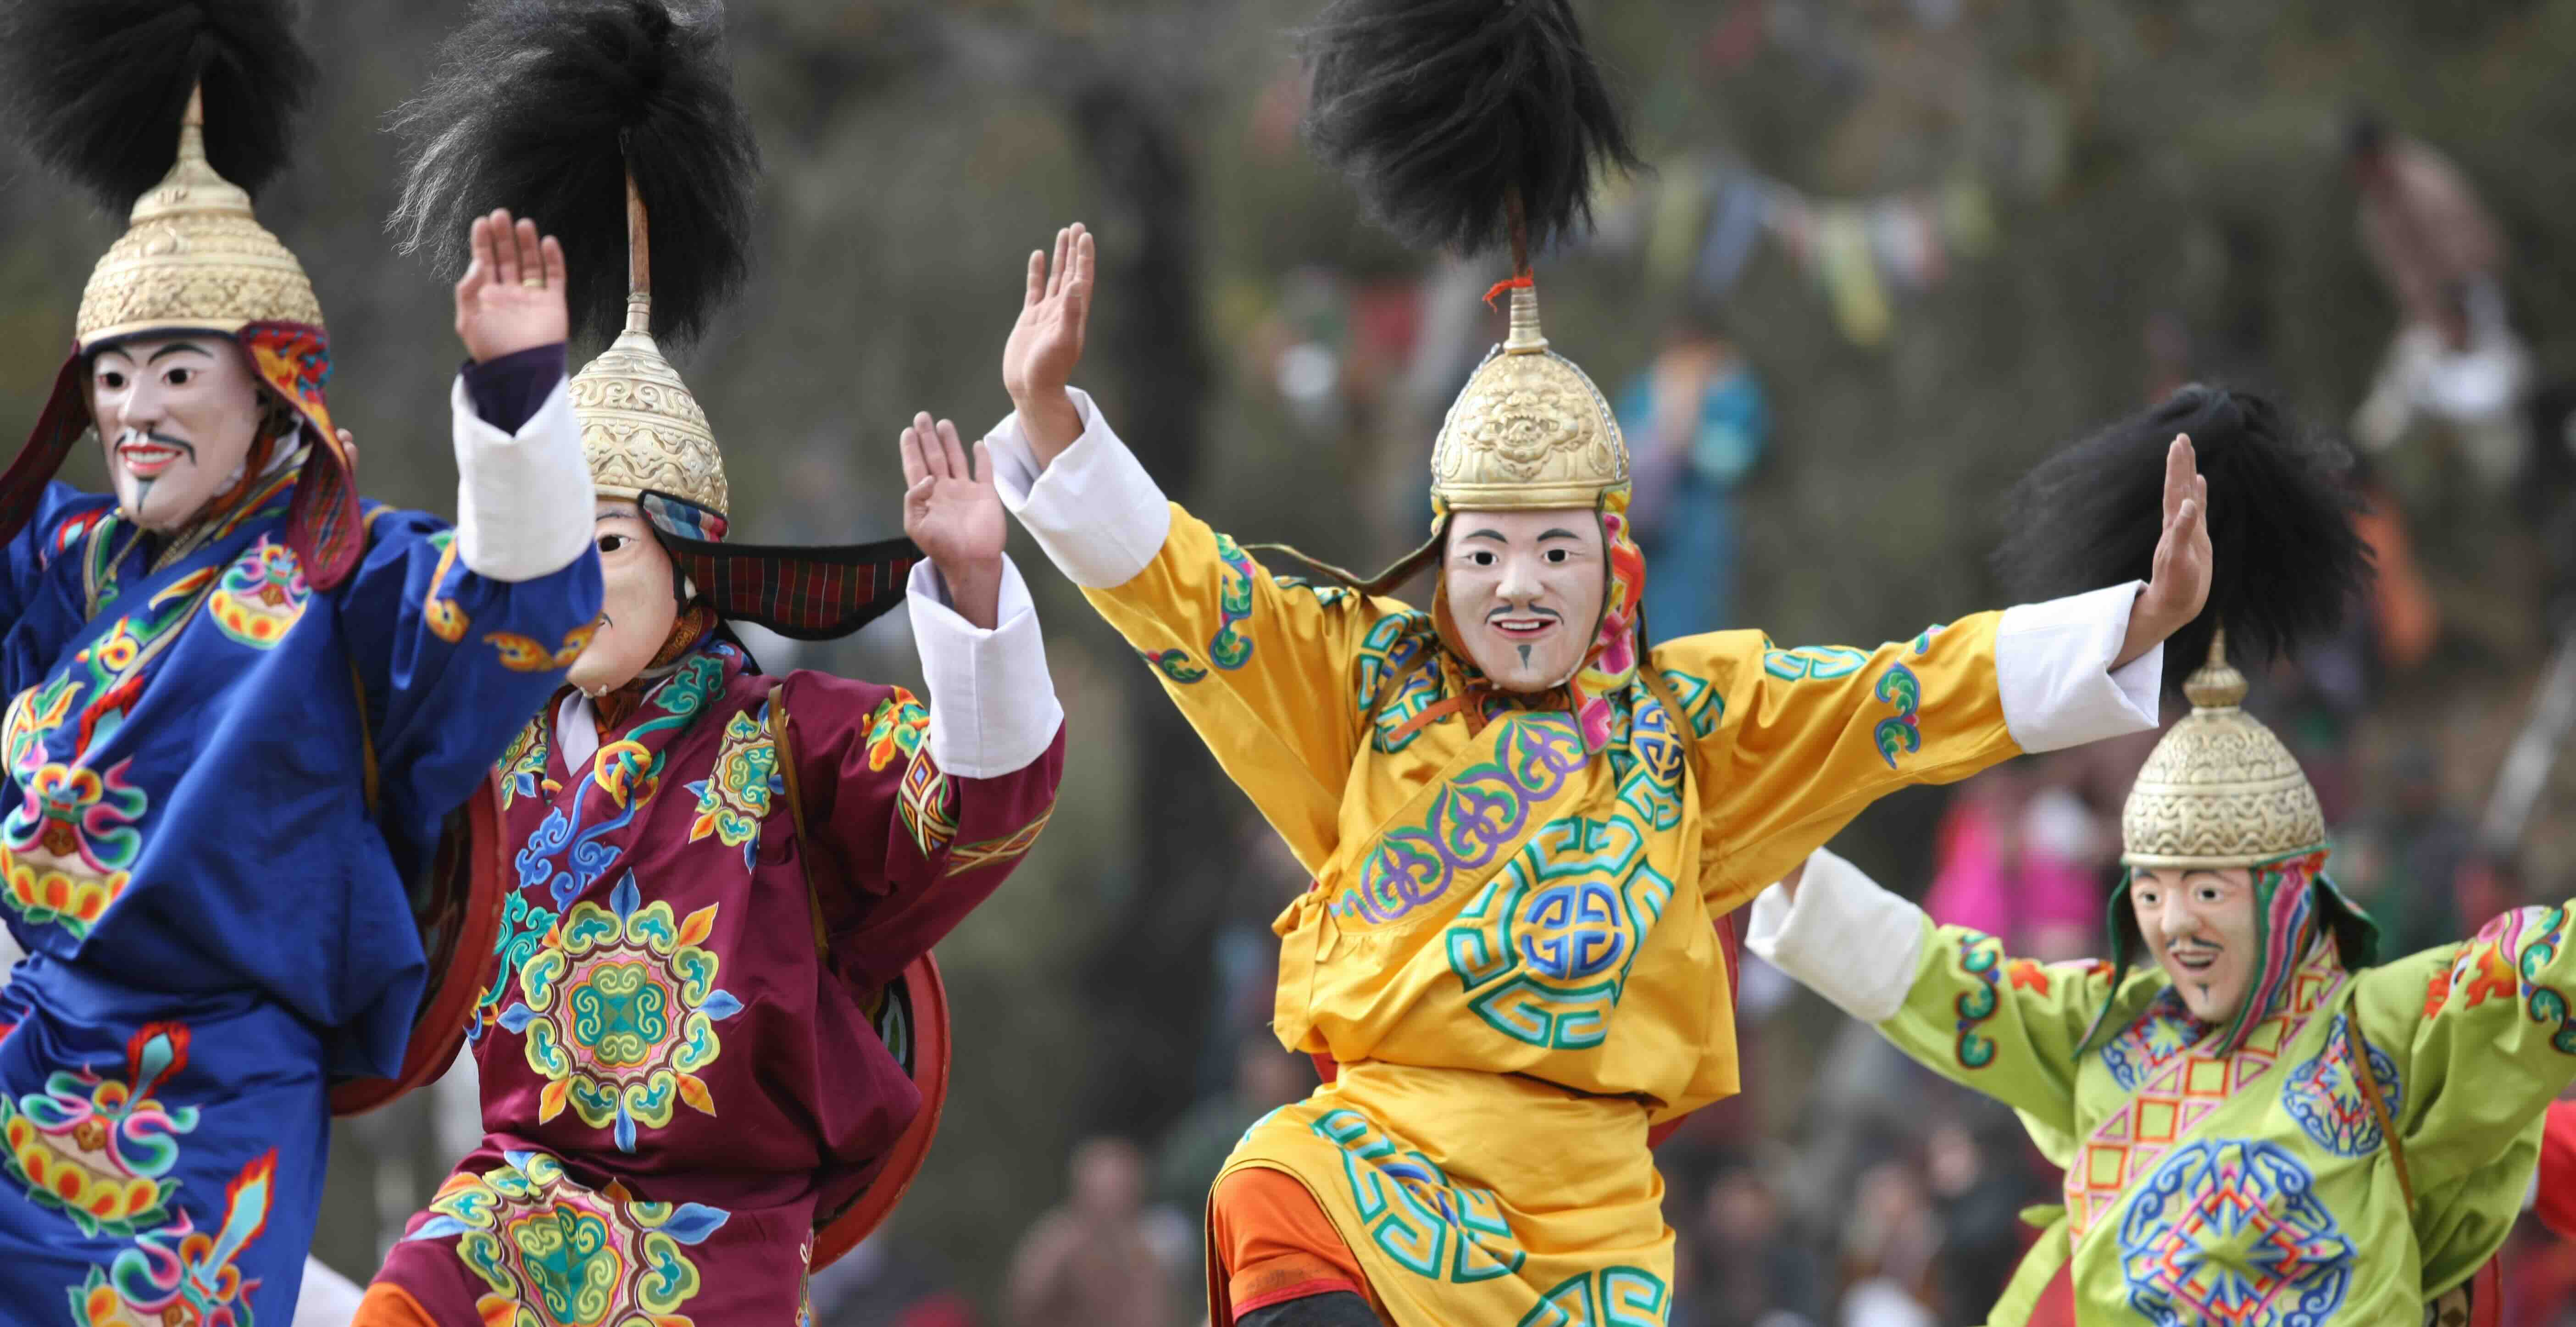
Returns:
<point x="1267" y="669"/>
<point x="1794" y="743"/>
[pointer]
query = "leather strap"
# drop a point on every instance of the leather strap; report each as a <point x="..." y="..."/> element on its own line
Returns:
<point x="779" y="724"/>
<point x="2378" y="1108"/>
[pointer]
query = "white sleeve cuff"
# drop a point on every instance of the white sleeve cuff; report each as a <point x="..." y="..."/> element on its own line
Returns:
<point x="2053" y="665"/>
<point x="992" y="707"/>
<point x="1100" y="518"/>
<point x="523" y="503"/>
<point x="1844" y="938"/>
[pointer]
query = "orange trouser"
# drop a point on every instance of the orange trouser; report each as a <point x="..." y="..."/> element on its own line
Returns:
<point x="1272" y="1243"/>
<point x="389" y="1305"/>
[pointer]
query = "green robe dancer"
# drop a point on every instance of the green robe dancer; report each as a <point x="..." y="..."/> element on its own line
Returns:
<point x="2226" y="1160"/>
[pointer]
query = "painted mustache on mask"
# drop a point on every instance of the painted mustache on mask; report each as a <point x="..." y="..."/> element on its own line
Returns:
<point x="181" y="445"/>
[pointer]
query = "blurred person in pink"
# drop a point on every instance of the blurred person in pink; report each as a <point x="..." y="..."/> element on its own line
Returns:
<point x="1091" y="1262"/>
<point x="2015" y="858"/>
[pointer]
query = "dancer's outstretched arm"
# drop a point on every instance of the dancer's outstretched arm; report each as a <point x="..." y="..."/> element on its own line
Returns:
<point x="1945" y="995"/>
<point x="1273" y="673"/>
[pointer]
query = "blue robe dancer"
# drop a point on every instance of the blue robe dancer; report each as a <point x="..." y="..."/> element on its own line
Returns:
<point x="241" y="702"/>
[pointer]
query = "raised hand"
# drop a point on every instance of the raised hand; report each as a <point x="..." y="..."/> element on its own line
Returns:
<point x="512" y="297"/>
<point x="2178" y="581"/>
<point x="1046" y="343"/>
<point x="955" y="516"/>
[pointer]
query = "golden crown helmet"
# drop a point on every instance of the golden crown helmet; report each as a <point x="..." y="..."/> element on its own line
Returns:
<point x="2219" y="791"/>
<point x="175" y="111"/>
<point x="1529" y="431"/>
<point x="1472" y="126"/>
<point x="194" y="258"/>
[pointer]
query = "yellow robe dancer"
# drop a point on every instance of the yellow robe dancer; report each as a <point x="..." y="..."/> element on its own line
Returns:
<point x="1520" y="837"/>
<point x="1522" y="824"/>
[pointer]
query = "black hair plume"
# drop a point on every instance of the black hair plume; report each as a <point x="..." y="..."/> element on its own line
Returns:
<point x="544" y="106"/>
<point x="1443" y="112"/>
<point x="98" y="87"/>
<point x="2287" y="562"/>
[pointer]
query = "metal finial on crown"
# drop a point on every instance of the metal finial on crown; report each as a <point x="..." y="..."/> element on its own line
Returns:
<point x="640" y="427"/>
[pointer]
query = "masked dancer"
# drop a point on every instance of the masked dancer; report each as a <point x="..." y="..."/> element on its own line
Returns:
<point x="243" y="702"/>
<point x="1522" y="823"/>
<point x="724" y="876"/>
<point x="2263" y="1124"/>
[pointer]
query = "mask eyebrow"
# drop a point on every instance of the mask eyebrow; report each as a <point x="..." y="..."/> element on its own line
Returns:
<point x="1488" y="533"/>
<point x="1558" y="534"/>
<point x="174" y="348"/>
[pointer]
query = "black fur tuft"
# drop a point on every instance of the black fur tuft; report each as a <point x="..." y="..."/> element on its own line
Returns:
<point x="98" y="87"/>
<point x="1441" y="111"/>
<point x="2287" y="562"/>
<point x="543" y="106"/>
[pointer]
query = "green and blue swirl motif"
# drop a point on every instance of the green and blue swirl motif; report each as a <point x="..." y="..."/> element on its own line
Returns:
<point x="1903" y="734"/>
<point x="2547" y="1003"/>
<point x="1174" y="664"/>
<point x="1231" y="647"/>
<point x="1979" y="956"/>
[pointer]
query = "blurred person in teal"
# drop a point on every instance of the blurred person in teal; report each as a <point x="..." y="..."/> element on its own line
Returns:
<point x="1700" y="424"/>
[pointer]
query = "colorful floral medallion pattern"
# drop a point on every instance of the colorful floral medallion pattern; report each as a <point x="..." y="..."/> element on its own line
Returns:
<point x="2506" y="958"/>
<point x="100" y="1150"/>
<point x="554" y="1254"/>
<point x="2229" y="1232"/>
<point x="1429" y="1224"/>
<point x="737" y="793"/>
<point x="619" y="1010"/>
<point x="2322" y="1095"/>
<point x="180" y="1274"/>
<point x="65" y="848"/>
<point x="1469" y="822"/>
<point x="896" y="728"/>
<point x="260" y="598"/>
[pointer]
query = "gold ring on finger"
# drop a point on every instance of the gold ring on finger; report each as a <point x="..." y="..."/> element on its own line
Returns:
<point x="533" y="282"/>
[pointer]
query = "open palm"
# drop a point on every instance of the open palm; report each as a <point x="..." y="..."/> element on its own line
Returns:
<point x="512" y="297"/>
<point x="1046" y="343"/>
<point x="950" y="507"/>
